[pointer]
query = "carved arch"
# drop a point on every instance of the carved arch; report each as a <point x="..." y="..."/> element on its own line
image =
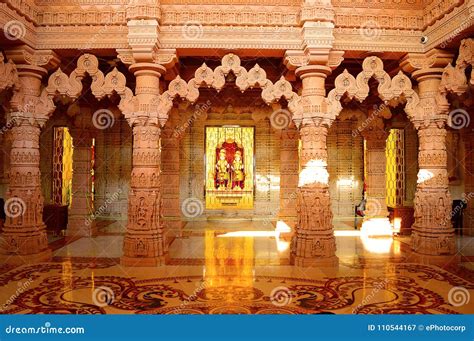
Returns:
<point x="204" y="76"/>
<point x="454" y="78"/>
<point x="388" y="88"/>
<point x="71" y="86"/>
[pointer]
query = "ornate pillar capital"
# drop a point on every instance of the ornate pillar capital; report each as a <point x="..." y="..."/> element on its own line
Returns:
<point x="28" y="59"/>
<point x="147" y="95"/>
<point x="32" y="66"/>
<point x="427" y="65"/>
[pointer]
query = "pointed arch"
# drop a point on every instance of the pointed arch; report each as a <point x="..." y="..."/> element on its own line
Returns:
<point x="71" y="86"/>
<point x="204" y="76"/>
<point x="358" y="87"/>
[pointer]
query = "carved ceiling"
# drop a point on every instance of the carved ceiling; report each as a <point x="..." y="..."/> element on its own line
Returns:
<point x="271" y="26"/>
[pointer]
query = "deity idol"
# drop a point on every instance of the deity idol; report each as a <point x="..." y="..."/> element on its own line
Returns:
<point x="238" y="169"/>
<point x="222" y="170"/>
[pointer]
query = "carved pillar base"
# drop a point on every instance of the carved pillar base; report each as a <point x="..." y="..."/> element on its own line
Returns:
<point x="144" y="242"/>
<point x="16" y="260"/>
<point x="314" y="243"/>
<point x="24" y="237"/>
<point x="433" y="233"/>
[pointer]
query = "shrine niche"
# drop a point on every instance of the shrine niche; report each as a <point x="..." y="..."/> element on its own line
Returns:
<point x="229" y="167"/>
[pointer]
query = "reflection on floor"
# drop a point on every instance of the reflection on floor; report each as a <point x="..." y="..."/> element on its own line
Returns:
<point x="214" y="269"/>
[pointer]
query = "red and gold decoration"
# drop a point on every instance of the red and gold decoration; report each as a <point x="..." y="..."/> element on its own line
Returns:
<point x="229" y="167"/>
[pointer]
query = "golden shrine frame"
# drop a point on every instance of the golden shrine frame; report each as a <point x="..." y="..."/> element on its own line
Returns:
<point x="229" y="167"/>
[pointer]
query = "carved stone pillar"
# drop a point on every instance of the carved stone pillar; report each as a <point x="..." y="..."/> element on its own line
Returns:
<point x="143" y="243"/>
<point x="433" y="234"/>
<point x="170" y="169"/>
<point x="314" y="242"/>
<point x="24" y="234"/>
<point x="376" y="220"/>
<point x="468" y="223"/>
<point x="81" y="223"/>
<point x="288" y="176"/>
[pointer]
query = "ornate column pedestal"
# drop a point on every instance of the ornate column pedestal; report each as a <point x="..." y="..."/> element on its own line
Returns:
<point x="81" y="221"/>
<point x="24" y="237"/>
<point x="433" y="234"/>
<point x="143" y="243"/>
<point x="376" y="222"/>
<point x="314" y="243"/>
<point x="433" y="238"/>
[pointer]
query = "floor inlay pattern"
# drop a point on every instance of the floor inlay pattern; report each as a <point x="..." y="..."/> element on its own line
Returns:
<point x="103" y="287"/>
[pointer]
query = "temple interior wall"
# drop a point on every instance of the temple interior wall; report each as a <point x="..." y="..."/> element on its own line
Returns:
<point x="345" y="167"/>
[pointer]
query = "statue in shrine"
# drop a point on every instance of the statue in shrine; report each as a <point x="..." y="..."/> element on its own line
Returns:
<point x="238" y="171"/>
<point x="222" y="170"/>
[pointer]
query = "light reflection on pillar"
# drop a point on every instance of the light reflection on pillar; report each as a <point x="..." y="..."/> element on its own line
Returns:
<point x="314" y="172"/>
<point x="424" y="175"/>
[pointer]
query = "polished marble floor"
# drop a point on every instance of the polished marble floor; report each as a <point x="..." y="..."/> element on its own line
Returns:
<point x="240" y="269"/>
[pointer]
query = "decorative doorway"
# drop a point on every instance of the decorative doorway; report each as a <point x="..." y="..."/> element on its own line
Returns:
<point x="229" y="167"/>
